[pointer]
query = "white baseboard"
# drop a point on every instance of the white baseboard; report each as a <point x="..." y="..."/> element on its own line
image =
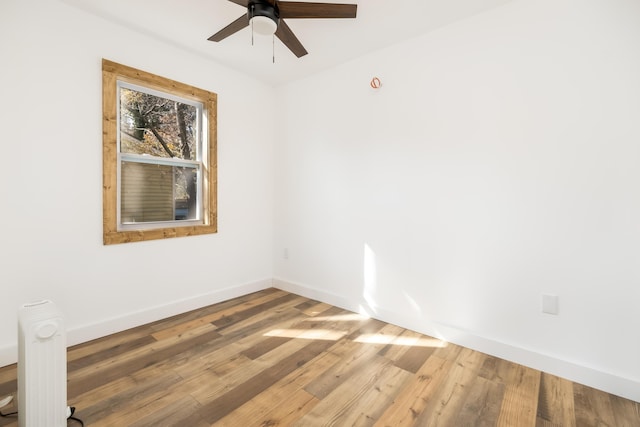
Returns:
<point x="589" y="376"/>
<point x="77" y="335"/>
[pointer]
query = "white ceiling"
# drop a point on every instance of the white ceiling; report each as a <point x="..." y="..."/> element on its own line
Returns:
<point x="188" y="24"/>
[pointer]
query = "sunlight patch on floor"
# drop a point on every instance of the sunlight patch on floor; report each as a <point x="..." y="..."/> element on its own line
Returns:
<point x="352" y="317"/>
<point x="330" y="335"/>
<point x="307" y="334"/>
<point x="397" y="340"/>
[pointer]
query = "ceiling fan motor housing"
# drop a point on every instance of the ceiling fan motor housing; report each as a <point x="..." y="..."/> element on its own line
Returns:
<point x="261" y="13"/>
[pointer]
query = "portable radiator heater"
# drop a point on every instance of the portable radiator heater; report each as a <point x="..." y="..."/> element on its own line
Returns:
<point x="42" y="366"/>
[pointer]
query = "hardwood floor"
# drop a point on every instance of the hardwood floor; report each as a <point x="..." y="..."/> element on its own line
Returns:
<point x="276" y="359"/>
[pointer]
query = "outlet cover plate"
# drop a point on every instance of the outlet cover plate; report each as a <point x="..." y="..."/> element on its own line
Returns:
<point x="550" y="304"/>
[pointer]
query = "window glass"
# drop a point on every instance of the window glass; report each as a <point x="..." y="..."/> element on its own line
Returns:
<point x="151" y="192"/>
<point x="160" y="157"/>
<point x="157" y="126"/>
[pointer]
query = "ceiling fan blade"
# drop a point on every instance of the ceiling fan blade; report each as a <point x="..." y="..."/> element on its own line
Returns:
<point x="290" y="40"/>
<point x="244" y="3"/>
<point x="230" y="29"/>
<point x="297" y="9"/>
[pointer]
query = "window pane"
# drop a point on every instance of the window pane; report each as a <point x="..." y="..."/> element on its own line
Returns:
<point x="161" y="127"/>
<point x="152" y="192"/>
<point x="186" y="193"/>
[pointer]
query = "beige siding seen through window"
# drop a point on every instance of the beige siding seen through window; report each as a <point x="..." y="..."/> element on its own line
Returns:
<point x="147" y="192"/>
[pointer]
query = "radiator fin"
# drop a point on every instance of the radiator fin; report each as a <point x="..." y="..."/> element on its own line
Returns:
<point x="42" y="366"/>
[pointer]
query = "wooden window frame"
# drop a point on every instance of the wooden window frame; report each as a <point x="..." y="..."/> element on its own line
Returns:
<point x="112" y="73"/>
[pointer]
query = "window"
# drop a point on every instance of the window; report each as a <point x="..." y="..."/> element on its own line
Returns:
<point x="159" y="157"/>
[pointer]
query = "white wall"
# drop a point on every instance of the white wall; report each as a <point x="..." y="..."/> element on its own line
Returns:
<point x="498" y="162"/>
<point x="51" y="174"/>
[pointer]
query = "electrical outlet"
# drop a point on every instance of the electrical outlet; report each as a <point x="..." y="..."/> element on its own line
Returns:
<point x="550" y="304"/>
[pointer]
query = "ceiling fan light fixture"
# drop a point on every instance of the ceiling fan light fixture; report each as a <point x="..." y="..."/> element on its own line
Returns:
<point x="263" y="25"/>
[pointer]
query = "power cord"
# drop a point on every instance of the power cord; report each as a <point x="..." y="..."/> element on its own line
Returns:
<point x="6" y="401"/>
<point x="71" y="417"/>
<point x="10" y="414"/>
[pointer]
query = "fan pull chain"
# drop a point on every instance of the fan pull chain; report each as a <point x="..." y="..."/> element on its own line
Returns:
<point x="273" y="48"/>
<point x="253" y="6"/>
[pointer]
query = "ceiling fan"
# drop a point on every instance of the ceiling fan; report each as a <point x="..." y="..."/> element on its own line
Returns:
<point x="267" y="17"/>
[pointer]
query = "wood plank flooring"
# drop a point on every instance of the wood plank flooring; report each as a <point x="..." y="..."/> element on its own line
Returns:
<point x="277" y="359"/>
